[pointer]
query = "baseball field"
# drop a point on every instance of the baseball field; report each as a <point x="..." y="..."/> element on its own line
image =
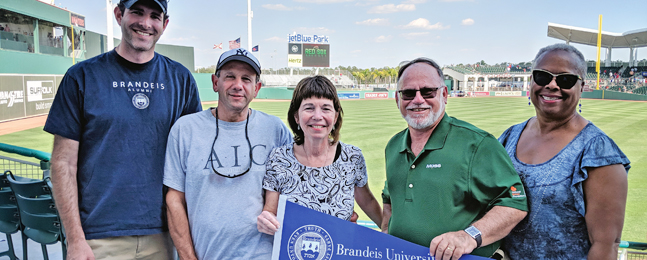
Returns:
<point x="369" y="124"/>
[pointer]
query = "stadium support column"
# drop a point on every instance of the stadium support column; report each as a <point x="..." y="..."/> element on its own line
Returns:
<point x="36" y="37"/>
<point x="631" y="56"/>
<point x="607" y="61"/>
<point x="487" y="83"/>
<point x="525" y="82"/>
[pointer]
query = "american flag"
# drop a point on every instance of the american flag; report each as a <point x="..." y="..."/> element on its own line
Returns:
<point x="235" y="44"/>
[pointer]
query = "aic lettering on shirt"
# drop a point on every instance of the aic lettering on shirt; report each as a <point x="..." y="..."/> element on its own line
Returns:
<point x="215" y="160"/>
<point x="137" y="84"/>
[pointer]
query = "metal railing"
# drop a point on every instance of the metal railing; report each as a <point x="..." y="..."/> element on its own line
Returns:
<point x="24" y="168"/>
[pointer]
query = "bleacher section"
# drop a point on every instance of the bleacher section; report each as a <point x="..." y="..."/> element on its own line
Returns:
<point x="637" y="71"/>
<point x="641" y="90"/>
<point x="604" y="72"/>
<point x="491" y="70"/>
<point x="274" y="80"/>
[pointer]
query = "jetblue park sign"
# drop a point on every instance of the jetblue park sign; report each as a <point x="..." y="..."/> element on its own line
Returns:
<point x="308" y="50"/>
<point x="302" y="38"/>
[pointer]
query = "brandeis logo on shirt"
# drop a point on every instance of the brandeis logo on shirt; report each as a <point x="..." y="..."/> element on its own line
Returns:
<point x="139" y="86"/>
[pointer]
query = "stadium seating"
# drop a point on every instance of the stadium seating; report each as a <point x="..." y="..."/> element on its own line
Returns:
<point x="38" y="214"/>
<point x="638" y="71"/>
<point x="641" y="91"/>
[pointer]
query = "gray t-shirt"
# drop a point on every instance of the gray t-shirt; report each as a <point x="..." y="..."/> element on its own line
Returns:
<point x="222" y="211"/>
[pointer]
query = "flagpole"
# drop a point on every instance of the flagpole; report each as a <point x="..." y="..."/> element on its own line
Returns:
<point x="110" y="38"/>
<point x="249" y="24"/>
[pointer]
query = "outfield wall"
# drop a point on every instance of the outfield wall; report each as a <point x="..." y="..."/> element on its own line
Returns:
<point x="27" y="95"/>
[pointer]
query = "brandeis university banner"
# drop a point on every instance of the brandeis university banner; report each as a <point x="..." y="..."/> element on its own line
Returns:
<point x="306" y="234"/>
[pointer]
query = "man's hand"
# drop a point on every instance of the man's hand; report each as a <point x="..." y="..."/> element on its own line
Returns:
<point x="451" y="245"/>
<point x="79" y="251"/>
<point x="267" y="223"/>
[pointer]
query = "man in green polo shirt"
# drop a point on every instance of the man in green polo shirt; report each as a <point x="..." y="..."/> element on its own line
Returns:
<point x="449" y="185"/>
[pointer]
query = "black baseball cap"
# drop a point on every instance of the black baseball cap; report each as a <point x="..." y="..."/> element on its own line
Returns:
<point x="129" y="3"/>
<point x="239" y="54"/>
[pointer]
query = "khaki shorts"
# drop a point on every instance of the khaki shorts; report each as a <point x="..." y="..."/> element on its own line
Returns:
<point x="153" y="247"/>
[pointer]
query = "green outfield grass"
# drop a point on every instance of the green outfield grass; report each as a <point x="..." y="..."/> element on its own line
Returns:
<point x="369" y="124"/>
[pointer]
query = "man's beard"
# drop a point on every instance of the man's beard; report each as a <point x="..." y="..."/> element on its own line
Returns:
<point x="422" y="122"/>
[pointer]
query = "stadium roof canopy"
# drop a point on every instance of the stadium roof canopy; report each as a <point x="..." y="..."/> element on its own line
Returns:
<point x="635" y="38"/>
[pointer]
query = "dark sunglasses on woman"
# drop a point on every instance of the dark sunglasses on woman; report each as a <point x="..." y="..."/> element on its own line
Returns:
<point x="564" y="80"/>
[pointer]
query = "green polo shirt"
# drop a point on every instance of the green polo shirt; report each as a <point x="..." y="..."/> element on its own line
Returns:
<point x="461" y="173"/>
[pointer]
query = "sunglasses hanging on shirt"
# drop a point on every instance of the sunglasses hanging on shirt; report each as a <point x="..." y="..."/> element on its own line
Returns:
<point x="251" y="159"/>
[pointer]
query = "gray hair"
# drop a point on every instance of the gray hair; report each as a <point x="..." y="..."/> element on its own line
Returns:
<point x="580" y="63"/>
<point x="405" y="65"/>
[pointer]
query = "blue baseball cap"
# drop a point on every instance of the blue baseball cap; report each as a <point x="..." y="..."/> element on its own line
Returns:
<point x="239" y="54"/>
<point x="161" y="3"/>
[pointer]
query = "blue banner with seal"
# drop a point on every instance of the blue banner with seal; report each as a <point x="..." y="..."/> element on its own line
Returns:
<point x="306" y="234"/>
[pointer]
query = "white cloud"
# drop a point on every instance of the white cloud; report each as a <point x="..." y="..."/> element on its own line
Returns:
<point x="323" y="1"/>
<point x="456" y="0"/>
<point x="468" y="21"/>
<point x="414" y="2"/>
<point x="276" y="39"/>
<point x="423" y="23"/>
<point x="377" y="21"/>
<point x="277" y="7"/>
<point x="313" y="30"/>
<point x="366" y="2"/>
<point x="383" y="38"/>
<point x="414" y="34"/>
<point x="391" y="8"/>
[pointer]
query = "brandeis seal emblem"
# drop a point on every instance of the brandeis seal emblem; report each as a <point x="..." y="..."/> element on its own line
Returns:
<point x="140" y="101"/>
<point x="310" y="242"/>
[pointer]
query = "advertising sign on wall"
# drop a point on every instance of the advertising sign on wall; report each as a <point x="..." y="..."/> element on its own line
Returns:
<point x="507" y="93"/>
<point x="375" y="95"/>
<point x="77" y="20"/>
<point x="352" y="95"/>
<point x="26" y="95"/>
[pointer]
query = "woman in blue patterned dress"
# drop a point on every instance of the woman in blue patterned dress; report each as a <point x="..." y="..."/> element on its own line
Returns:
<point x="574" y="174"/>
<point x="317" y="170"/>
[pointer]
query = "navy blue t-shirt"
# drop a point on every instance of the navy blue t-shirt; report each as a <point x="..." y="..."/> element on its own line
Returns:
<point x="121" y="114"/>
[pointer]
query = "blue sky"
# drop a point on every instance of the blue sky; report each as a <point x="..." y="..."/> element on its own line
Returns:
<point x="378" y="33"/>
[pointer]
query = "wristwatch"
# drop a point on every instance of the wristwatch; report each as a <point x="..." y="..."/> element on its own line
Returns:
<point x="474" y="233"/>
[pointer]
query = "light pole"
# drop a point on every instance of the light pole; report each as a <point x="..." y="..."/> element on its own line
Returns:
<point x="110" y="38"/>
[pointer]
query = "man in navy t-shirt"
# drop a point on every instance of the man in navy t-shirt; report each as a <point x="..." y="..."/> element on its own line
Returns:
<point x="110" y="119"/>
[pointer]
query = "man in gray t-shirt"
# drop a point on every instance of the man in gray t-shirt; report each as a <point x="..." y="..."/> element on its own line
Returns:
<point x="215" y="164"/>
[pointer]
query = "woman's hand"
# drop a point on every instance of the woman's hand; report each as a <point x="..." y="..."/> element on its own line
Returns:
<point x="267" y="223"/>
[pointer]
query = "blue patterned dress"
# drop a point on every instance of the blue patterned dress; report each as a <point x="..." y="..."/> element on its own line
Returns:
<point x="555" y="227"/>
